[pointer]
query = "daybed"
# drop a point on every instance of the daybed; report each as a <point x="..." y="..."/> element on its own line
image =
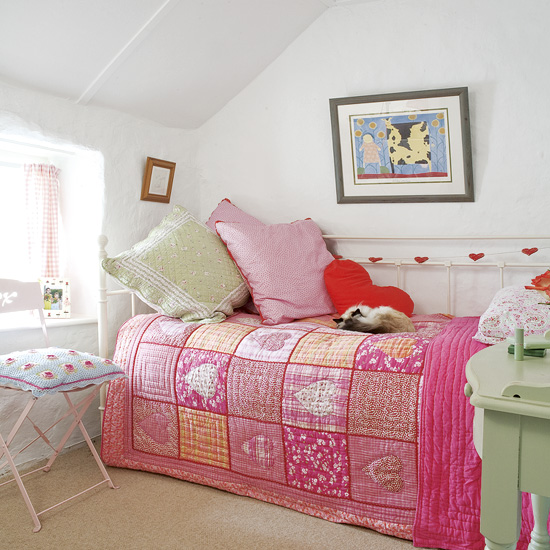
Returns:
<point x="275" y="403"/>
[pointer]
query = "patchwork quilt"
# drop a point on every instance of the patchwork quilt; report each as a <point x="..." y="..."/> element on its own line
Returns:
<point x="303" y="415"/>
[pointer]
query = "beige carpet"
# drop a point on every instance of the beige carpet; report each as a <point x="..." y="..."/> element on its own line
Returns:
<point x="155" y="512"/>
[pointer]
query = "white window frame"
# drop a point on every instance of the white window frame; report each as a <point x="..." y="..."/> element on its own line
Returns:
<point x="82" y="182"/>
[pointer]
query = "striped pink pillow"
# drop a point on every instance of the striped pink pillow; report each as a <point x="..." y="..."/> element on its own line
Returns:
<point x="283" y="265"/>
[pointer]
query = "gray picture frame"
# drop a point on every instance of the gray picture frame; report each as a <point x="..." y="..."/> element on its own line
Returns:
<point x="419" y="142"/>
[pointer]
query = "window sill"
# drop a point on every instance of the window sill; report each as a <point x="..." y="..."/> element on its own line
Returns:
<point x="75" y="319"/>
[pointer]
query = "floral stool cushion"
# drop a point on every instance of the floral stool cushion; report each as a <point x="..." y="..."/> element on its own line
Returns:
<point x="51" y="370"/>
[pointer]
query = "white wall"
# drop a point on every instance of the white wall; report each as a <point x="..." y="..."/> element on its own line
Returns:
<point x="270" y="149"/>
<point x="120" y="145"/>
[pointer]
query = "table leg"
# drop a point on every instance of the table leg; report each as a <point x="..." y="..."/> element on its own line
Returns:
<point x="500" y="496"/>
<point x="539" y="536"/>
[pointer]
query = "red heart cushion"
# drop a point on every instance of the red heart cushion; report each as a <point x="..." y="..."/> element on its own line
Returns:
<point x="349" y="284"/>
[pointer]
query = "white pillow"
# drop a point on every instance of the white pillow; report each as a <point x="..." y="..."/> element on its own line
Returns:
<point x="513" y="307"/>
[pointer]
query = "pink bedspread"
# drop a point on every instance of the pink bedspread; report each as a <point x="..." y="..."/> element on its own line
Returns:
<point x="323" y="421"/>
<point x="450" y="468"/>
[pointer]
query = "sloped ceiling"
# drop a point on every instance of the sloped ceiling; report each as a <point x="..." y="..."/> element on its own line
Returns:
<point x="175" y="62"/>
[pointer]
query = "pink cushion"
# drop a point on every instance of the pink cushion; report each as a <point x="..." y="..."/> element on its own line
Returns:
<point x="226" y="211"/>
<point x="283" y="265"/>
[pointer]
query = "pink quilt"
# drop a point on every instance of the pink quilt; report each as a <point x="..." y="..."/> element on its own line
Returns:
<point x="303" y="415"/>
<point x="450" y="468"/>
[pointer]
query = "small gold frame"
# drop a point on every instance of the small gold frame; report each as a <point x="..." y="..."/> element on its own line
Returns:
<point x="157" y="181"/>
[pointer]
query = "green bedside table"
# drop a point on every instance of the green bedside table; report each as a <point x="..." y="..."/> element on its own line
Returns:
<point x="512" y="400"/>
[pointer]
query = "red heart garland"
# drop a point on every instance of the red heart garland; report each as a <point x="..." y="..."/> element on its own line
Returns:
<point x="477" y="257"/>
<point x="529" y="251"/>
<point x="374" y="260"/>
<point x="421" y="259"/>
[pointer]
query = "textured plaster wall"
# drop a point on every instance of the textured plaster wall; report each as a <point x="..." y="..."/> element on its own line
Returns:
<point x="115" y="147"/>
<point x="270" y="149"/>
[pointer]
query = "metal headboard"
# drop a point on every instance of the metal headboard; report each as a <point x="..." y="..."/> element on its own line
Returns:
<point x="337" y="244"/>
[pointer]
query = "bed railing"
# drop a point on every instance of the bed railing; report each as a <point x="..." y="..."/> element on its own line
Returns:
<point x="448" y="263"/>
<point x="338" y="245"/>
<point x="102" y="319"/>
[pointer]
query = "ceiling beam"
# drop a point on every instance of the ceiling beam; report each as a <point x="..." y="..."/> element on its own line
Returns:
<point x="123" y="54"/>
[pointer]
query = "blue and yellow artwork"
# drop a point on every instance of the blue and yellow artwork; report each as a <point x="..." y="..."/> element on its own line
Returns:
<point x="401" y="147"/>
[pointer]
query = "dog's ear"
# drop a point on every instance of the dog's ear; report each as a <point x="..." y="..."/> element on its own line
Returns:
<point x="356" y="312"/>
<point x="338" y="320"/>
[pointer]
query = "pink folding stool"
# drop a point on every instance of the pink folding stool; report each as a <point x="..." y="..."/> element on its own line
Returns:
<point x="43" y="372"/>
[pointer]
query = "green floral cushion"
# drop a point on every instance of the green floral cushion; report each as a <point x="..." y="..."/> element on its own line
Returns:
<point x="182" y="269"/>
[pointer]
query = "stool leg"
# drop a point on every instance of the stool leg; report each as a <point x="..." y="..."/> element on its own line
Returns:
<point x="19" y="482"/>
<point x="73" y="409"/>
<point x="99" y="463"/>
<point x="77" y="411"/>
<point x="539" y="536"/>
<point x="20" y="420"/>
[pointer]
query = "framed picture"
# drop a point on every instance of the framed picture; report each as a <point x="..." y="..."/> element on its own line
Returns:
<point x="403" y="147"/>
<point x="157" y="180"/>
<point x="57" y="298"/>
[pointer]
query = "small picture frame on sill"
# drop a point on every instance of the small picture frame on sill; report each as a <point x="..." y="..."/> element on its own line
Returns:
<point x="157" y="180"/>
<point x="57" y="298"/>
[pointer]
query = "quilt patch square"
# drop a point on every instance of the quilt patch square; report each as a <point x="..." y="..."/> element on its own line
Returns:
<point x="252" y="320"/>
<point x="257" y="449"/>
<point x="255" y="389"/>
<point x="201" y="379"/>
<point x="155" y="427"/>
<point x="126" y="346"/>
<point x="222" y="337"/>
<point x="327" y="349"/>
<point x="154" y="371"/>
<point x="169" y="331"/>
<point x="383" y="404"/>
<point x="204" y="438"/>
<point x="392" y="353"/>
<point x="429" y="326"/>
<point x="317" y="462"/>
<point x="326" y="321"/>
<point x="269" y="344"/>
<point x="316" y="397"/>
<point x="383" y="472"/>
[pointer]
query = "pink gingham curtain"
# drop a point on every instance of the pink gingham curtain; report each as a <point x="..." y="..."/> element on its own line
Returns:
<point x="42" y="202"/>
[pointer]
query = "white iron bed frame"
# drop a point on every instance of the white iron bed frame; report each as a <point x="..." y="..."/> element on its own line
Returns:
<point x="337" y="243"/>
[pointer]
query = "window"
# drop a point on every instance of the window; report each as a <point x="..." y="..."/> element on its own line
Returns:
<point x="80" y="175"/>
